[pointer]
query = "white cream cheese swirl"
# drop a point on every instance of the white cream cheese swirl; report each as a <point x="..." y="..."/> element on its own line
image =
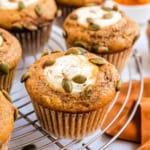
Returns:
<point x="1" y="40"/>
<point x="13" y="4"/>
<point x="70" y="66"/>
<point x="96" y="13"/>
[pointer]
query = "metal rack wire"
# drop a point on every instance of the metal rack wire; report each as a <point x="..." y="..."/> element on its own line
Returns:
<point x="27" y="129"/>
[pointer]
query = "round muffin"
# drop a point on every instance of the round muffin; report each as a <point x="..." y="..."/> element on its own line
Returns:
<point x="29" y="20"/>
<point x="67" y="6"/>
<point x="105" y="31"/>
<point x="10" y="54"/>
<point x="8" y="114"/>
<point x="71" y="91"/>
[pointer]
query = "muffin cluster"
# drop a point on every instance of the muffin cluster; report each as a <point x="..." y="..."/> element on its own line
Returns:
<point x="71" y="91"/>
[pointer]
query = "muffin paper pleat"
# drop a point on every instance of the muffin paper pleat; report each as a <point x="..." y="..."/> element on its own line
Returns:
<point x="118" y="59"/>
<point x="69" y="125"/>
<point x="33" y="41"/>
<point x="7" y="80"/>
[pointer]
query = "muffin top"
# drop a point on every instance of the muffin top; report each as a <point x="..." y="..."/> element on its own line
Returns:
<point x="7" y="117"/>
<point x="79" y="2"/>
<point x="72" y="81"/>
<point x="10" y="51"/>
<point x="26" y="14"/>
<point x="100" y="29"/>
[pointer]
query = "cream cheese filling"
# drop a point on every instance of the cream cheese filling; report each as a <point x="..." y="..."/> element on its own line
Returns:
<point x="13" y="4"/>
<point x="1" y="40"/>
<point x="70" y="66"/>
<point x="96" y="13"/>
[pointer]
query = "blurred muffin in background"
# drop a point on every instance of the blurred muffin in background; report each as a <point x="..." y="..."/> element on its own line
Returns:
<point x="29" y="20"/>
<point x="67" y="6"/>
<point x="104" y="31"/>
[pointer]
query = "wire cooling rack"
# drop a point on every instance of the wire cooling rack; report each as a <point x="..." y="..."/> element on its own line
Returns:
<point x="27" y="129"/>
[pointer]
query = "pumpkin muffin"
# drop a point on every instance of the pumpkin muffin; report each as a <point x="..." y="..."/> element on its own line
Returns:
<point x="10" y="54"/>
<point x="105" y="31"/>
<point x="71" y="91"/>
<point x="67" y="6"/>
<point x="8" y="114"/>
<point x="29" y="20"/>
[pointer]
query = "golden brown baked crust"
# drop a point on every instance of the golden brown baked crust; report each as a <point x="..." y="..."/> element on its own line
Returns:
<point x="117" y="37"/>
<point x="7" y="111"/>
<point x="10" y="50"/>
<point x="79" y="2"/>
<point x="41" y="91"/>
<point x="28" y="18"/>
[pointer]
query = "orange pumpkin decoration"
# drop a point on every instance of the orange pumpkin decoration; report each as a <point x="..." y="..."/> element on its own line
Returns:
<point x="132" y="2"/>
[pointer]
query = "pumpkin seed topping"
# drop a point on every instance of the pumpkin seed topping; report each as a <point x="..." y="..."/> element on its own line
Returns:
<point x="65" y="34"/>
<point x="79" y="79"/>
<point x="44" y="53"/>
<point x="49" y="62"/>
<point x="21" y="5"/>
<point x="118" y="85"/>
<point x="67" y="85"/>
<point x="15" y="114"/>
<point x="25" y="77"/>
<point x="79" y="44"/>
<point x="97" y="61"/>
<point x="93" y="27"/>
<point x="55" y="51"/>
<point x="108" y="15"/>
<point x="87" y="91"/>
<point x="38" y="10"/>
<point x="4" y="68"/>
<point x="7" y="96"/>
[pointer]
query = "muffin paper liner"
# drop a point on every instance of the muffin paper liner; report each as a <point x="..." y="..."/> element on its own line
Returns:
<point x="7" y="80"/>
<point x="66" y="10"/>
<point x="5" y="146"/>
<point x="118" y="59"/>
<point x="33" y="41"/>
<point x="69" y="125"/>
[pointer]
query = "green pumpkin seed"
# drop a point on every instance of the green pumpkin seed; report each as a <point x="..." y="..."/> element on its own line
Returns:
<point x="4" y="68"/>
<point x="25" y="77"/>
<point x="93" y="27"/>
<point x="118" y="85"/>
<point x="97" y="61"/>
<point x="65" y="35"/>
<point x="79" y="79"/>
<point x="67" y="85"/>
<point x="73" y="16"/>
<point x="7" y="96"/>
<point x="80" y="44"/>
<point x="87" y="91"/>
<point x="55" y="51"/>
<point x="21" y="5"/>
<point x="1" y="144"/>
<point x="106" y="8"/>
<point x="49" y="62"/>
<point x="15" y="114"/>
<point x="73" y="50"/>
<point x="108" y="15"/>
<point x="99" y="49"/>
<point x="29" y="147"/>
<point x="44" y="53"/>
<point x="38" y="10"/>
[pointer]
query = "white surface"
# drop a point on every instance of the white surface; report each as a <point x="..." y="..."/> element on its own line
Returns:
<point x="96" y="14"/>
<point x="56" y="42"/>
